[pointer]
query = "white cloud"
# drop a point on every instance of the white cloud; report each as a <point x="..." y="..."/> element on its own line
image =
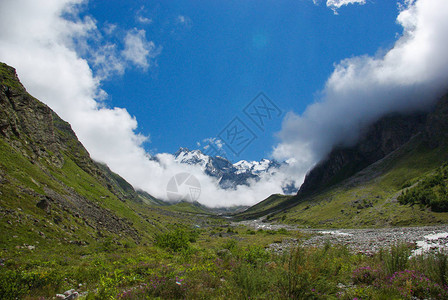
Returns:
<point x="138" y="49"/>
<point x="184" y="20"/>
<point x="362" y="89"/>
<point x="143" y="20"/>
<point x="106" y="61"/>
<point x="336" y="4"/>
<point x="139" y="17"/>
<point x="339" y="3"/>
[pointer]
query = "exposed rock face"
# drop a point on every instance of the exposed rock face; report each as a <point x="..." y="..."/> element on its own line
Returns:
<point x="380" y="139"/>
<point x="27" y="123"/>
<point x="436" y="128"/>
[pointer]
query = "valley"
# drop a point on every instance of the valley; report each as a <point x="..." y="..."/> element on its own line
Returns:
<point x="368" y="224"/>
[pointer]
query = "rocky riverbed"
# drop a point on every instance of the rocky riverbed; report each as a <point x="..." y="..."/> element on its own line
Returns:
<point x="366" y="241"/>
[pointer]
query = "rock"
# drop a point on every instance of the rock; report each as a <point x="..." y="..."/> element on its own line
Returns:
<point x="43" y="204"/>
<point x="224" y="253"/>
<point x="68" y="295"/>
<point x="57" y="220"/>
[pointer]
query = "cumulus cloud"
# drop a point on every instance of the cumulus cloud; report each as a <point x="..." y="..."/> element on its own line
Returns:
<point x="138" y="49"/>
<point x="407" y="78"/>
<point x="336" y="4"/>
<point x="46" y="49"/>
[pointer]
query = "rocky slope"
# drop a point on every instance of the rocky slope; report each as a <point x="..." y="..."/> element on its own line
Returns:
<point x="46" y="175"/>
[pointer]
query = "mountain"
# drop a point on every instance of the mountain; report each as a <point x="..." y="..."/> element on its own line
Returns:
<point x="380" y="139"/>
<point x="359" y="185"/>
<point x="229" y="175"/>
<point x="51" y="191"/>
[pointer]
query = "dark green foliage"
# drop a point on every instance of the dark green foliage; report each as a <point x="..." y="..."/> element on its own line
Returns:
<point x="397" y="258"/>
<point x="430" y="192"/>
<point x="256" y="255"/>
<point x="16" y="283"/>
<point x="176" y="240"/>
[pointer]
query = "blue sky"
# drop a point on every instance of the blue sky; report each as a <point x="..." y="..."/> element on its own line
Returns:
<point x="225" y="52"/>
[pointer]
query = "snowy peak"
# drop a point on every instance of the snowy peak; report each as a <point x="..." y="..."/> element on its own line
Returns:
<point x="229" y="175"/>
<point x="256" y="167"/>
<point x="194" y="157"/>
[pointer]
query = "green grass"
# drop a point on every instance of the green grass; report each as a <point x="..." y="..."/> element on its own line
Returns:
<point x="236" y="267"/>
<point x="272" y="204"/>
<point x="188" y="207"/>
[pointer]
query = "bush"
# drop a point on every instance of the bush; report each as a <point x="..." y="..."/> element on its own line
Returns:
<point x="12" y="285"/>
<point x="282" y="231"/>
<point x="256" y="255"/>
<point x="17" y="283"/>
<point x="108" y="285"/>
<point x="397" y="258"/>
<point x="251" y="281"/>
<point x="365" y="275"/>
<point x="430" y="192"/>
<point x="413" y="284"/>
<point x="176" y="240"/>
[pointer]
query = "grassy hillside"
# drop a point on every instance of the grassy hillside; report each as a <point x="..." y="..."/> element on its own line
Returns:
<point x="369" y="199"/>
<point x="273" y="204"/>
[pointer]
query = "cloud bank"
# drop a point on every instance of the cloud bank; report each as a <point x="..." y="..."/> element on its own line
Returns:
<point x="47" y="50"/>
<point x="408" y="77"/>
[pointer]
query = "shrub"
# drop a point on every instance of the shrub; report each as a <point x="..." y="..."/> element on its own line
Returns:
<point x="397" y="258"/>
<point x="251" y="281"/>
<point x="282" y="231"/>
<point x="12" y="284"/>
<point x="430" y="192"/>
<point x="159" y="287"/>
<point x="256" y="255"/>
<point x="413" y="284"/>
<point x="17" y="283"/>
<point x="108" y="285"/>
<point x="365" y="275"/>
<point x="175" y="240"/>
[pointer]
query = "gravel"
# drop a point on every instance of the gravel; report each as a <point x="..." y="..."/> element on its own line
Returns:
<point x="367" y="241"/>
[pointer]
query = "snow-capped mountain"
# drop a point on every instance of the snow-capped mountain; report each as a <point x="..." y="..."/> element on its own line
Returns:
<point x="229" y="175"/>
<point x="256" y="167"/>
